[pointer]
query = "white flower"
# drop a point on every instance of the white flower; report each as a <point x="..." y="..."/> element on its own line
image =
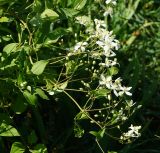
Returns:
<point x="125" y="90"/>
<point x="99" y="23"/>
<point x="107" y="81"/>
<point x="115" y="87"/>
<point x="111" y="1"/>
<point x="133" y="132"/>
<point x="109" y="11"/>
<point x="109" y="63"/>
<point x="80" y="46"/>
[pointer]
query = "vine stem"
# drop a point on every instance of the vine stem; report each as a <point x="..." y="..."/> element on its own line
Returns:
<point x="99" y="146"/>
<point x="81" y="109"/>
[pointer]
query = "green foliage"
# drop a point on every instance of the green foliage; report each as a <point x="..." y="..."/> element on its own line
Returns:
<point x="60" y="91"/>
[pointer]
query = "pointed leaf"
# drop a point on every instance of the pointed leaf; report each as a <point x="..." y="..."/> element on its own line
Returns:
<point x="79" y="4"/>
<point x="41" y="93"/>
<point x="31" y="98"/>
<point x="49" y="14"/>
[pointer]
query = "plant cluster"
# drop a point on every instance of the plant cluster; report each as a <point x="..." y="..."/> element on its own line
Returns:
<point x="58" y="67"/>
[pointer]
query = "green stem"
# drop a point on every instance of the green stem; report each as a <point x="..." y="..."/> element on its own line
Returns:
<point x="81" y="109"/>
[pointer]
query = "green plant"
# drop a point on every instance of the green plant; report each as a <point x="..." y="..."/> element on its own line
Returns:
<point x="58" y="61"/>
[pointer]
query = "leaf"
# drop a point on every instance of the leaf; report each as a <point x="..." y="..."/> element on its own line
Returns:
<point x="32" y="138"/>
<point x="3" y="2"/>
<point x="4" y="19"/>
<point x="8" y="130"/>
<point x="17" y="147"/>
<point x="71" y="66"/>
<point x="19" y="105"/>
<point x="69" y="12"/>
<point x="10" y="48"/>
<point x="40" y="148"/>
<point x="78" y="131"/>
<point x="53" y="36"/>
<point x="100" y="93"/>
<point x="79" y="4"/>
<point x="5" y="118"/>
<point x="49" y="14"/>
<point x="99" y="135"/>
<point x="81" y="116"/>
<point x="36" y="21"/>
<point x="41" y="93"/>
<point x="31" y="98"/>
<point x="113" y="70"/>
<point x="63" y="85"/>
<point x="39" y="67"/>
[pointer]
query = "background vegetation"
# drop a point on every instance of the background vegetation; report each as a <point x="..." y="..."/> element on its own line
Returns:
<point x="31" y="118"/>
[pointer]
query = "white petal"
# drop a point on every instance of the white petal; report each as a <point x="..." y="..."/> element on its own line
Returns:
<point x="128" y="93"/>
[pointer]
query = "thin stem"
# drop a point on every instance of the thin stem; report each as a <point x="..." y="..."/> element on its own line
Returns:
<point x="99" y="146"/>
<point x="80" y="108"/>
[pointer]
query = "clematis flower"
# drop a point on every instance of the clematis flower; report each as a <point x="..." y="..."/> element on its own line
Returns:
<point x="107" y="81"/>
<point x="80" y="46"/>
<point x="125" y="90"/>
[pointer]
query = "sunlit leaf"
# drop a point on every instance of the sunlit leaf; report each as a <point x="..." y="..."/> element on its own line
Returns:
<point x="39" y="67"/>
<point x="17" y="147"/>
<point x="4" y="19"/>
<point x="8" y="130"/>
<point x="39" y="148"/>
<point x="49" y="14"/>
<point x="10" y="48"/>
<point x="79" y="4"/>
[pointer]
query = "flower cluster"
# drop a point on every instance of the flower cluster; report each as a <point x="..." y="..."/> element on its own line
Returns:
<point x="95" y="53"/>
<point x="131" y="134"/>
<point x="116" y="86"/>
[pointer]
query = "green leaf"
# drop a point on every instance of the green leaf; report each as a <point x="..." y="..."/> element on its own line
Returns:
<point x="113" y="70"/>
<point x="10" y="48"/>
<point x="3" y="2"/>
<point x="32" y="138"/>
<point x="8" y="130"/>
<point x="78" y="131"/>
<point x="40" y="148"/>
<point x="69" y="12"/>
<point x="49" y="14"/>
<point x="4" y="19"/>
<point x="99" y="134"/>
<point x="41" y="93"/>
<point x="53" y="36"/>
<point x="17" y="147"/>
<point x="100" y="93"/>
<point x="63" y="85"/>
<point x="19" y="105"/>
<point x="81" y="116"/>
<point x="31" y="98"/>
<point x="36" y="21"/>
<point x="39" y="67"/>
<point x="71" y="66"/>
<point x="79" y="4"/>
<point x="5" y="118"/>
